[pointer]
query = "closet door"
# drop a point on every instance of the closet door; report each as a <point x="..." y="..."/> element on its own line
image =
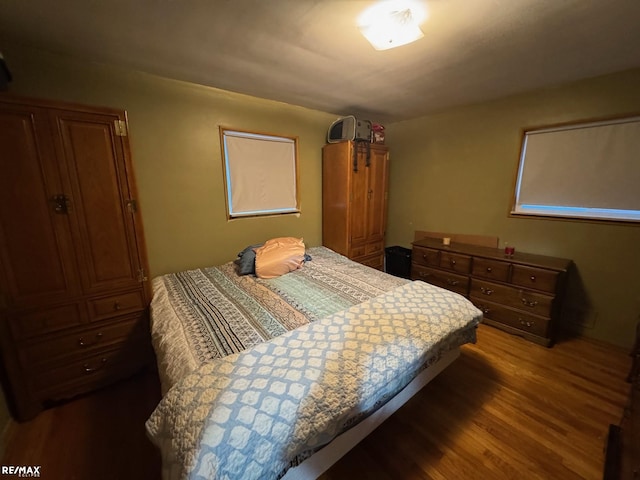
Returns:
<point x="99" y="199"/>
<point x="36" y="257"/>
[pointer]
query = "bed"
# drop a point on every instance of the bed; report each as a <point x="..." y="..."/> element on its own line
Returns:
<point x="279" y="378"/>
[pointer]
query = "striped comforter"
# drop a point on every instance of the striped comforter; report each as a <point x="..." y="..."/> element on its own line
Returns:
<point x="208" y="313"/>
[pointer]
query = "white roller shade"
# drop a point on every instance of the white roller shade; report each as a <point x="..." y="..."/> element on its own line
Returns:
<point x="261" y="173"/>
<point x="589" y="170"/>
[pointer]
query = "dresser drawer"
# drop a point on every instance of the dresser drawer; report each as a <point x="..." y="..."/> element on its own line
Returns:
<point x="490" y="269"/>
<point x="513" y="318"/>
<point x="82" y="342"/>
<point x="376" y="262"/>
<point x="525" y="300"/>
<point x="455" y="262"/>
<point x="45" y="320"/>
<point x="536" y="278"/>
<point x="425" y="256"/>
<point x="355" y="252"/>
<point x="441" y="278"/>
<point x="89" y="373"/>
<point x="105" y="307"/>
<point x="371" y="248"/>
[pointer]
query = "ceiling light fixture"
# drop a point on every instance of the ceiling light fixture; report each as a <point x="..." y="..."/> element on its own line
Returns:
<point x="392" y="23"/>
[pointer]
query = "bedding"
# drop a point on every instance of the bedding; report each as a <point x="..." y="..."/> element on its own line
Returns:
<point x="203" y="314"/>
<point x="259" y="374"/>
<point x="257" y="413"/>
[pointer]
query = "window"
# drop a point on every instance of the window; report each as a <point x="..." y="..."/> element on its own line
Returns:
<point x="261" y="173"/>
<point x="587" y="170"/>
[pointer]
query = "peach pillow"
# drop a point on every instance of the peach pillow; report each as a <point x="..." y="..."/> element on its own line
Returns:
<point x="279" y="256"/>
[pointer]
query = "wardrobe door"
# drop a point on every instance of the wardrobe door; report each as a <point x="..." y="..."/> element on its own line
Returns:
<point x="377" y="195"/>
<point x="36" y="257"/>
<point x="100" y="199"/>
<point x="358" y="199"/>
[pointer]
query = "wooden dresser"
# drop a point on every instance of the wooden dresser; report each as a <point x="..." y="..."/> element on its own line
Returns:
<point x="74" y="293"/>
<point x="521" y="294"/>
<point x="354" y="200"/>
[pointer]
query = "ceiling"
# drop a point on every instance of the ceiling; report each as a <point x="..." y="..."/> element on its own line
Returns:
<point x="310" y="52"/>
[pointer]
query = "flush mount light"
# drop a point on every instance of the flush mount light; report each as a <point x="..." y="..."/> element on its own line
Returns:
<point x="392" y="23"/>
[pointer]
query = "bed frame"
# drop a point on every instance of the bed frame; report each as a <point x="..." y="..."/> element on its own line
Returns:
<point x="322" y="460"/>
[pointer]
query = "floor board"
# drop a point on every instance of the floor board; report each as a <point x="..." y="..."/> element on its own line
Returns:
<point x="506" y="409"/>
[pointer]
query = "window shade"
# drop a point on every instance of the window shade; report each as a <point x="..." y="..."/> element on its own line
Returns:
<point x="589" y="170"/>
<point x="261" y="173"/>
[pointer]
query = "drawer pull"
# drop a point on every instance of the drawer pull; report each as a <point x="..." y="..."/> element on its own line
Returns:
<point x="426" y="259"/>
<point x="452" y="282"/>
<point x="486" y="291"/>
<point x="532" y="278"/>
<point x="485" y="310"/>
<point x="489" y="270"/>
<point x="88" y="369"/>
<point x="527" y="323"/>
<point x="425" y="274"/>
<point x="82" y="343"/>
<point x="116" y="305"/>
<point x="452" y="262"/>
<point x="529" y="303"/>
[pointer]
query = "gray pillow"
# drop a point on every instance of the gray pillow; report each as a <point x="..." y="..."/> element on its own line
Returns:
<point x="246" y="260"/>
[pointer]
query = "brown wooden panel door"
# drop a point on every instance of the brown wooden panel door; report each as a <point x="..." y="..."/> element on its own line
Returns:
<point x="377" y="194"/>
<point x="358" y="200"/>
<point x="335" y="196"/>
<point x="36" y="257"/>
<point x="97" y="172"/>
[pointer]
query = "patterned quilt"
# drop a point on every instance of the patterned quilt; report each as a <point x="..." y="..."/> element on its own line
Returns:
<point x="200" y="315"/>
<point x="254" y="414"/>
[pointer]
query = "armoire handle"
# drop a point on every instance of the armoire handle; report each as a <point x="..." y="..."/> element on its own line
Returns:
<point x="60" y="203"/>
<point x="89" y="369"/>
<point x="82" y="343"/>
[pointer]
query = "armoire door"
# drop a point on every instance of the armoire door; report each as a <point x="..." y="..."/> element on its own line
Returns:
<point x="36" y="254"/>
<point x="99" y="199"/>
<point x="358" y="203"/>
<point x="377" y="195"/>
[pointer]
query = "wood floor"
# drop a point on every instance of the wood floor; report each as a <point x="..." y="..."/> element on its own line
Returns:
<point x="506" y="409"/>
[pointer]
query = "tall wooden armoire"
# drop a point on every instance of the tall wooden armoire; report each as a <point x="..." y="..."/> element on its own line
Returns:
<point x="74" y="293"/>
<point x="354" y="200"/>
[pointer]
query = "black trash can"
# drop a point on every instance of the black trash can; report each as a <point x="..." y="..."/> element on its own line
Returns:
<point x="398" y="261"/>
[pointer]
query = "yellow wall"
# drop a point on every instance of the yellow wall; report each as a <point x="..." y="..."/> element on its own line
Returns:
<point x="176" y="153"/>
<point x="454" y="172"/>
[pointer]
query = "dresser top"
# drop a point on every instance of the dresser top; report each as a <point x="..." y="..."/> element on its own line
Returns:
<point x="528" y="259"/>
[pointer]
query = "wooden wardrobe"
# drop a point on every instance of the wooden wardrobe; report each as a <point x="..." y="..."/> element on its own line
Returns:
<point x="74" y="293"/>
<point x="354" y="200"/>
